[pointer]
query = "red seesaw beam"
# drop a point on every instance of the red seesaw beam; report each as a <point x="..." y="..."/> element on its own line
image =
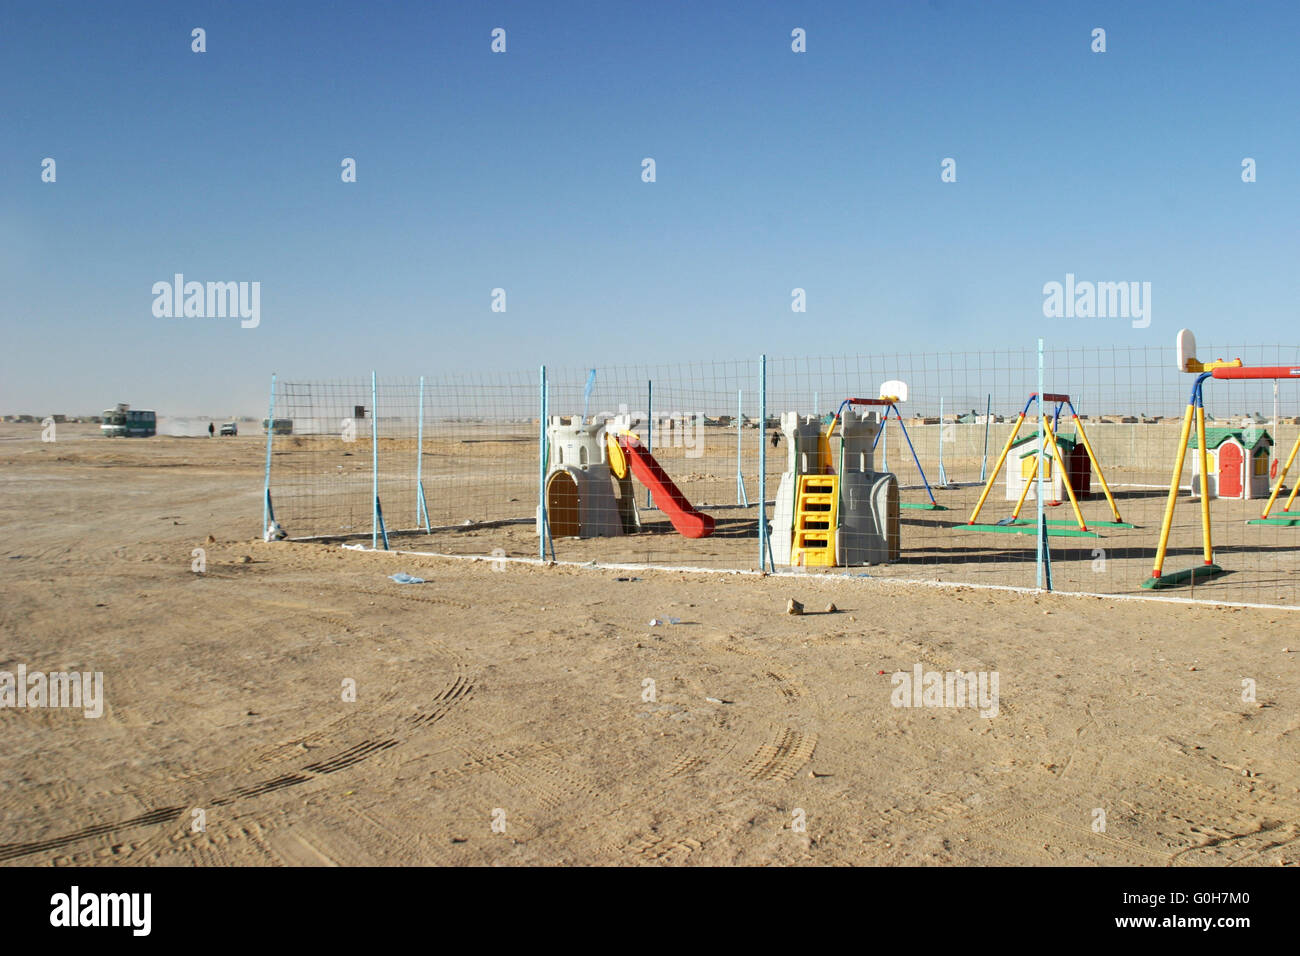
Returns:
<point x="1264" y="371"/>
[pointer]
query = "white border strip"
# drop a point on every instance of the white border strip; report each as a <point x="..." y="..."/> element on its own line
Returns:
<point x="943" y="585"/>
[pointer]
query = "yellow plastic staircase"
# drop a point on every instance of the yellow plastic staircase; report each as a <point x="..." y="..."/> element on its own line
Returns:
<point x="816" y="513"/>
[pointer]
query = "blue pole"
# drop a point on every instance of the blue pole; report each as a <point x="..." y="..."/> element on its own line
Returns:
<point x="741" y="496"/>
<point x="943" y="475"/>
<point x="270" y="430"/>
<point x="544" y="529"/>
<point x="988" y="415"/>
<point x="419" y="464"/>
<point x="1042" y="427"/>
<point x="374" y="460"/>
<point x="649" y="430"/>
<point x="762" y="463"/>
<point x="912" y="448"/>
<point x="884" y="447"/>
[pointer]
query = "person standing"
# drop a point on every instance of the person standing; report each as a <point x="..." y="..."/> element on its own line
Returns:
<point x="211" y="430"/>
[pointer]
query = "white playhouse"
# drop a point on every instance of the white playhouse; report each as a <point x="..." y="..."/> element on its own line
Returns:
<point x="580" y="499"/>
<point x="1238" y="462"/>
<point x="833" y="509"/>
<point x="1078" y="467"/>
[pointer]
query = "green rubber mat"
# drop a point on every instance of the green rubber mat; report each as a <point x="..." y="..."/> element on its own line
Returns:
<point x="1023" y="529"/>
<point x="1074" y="524"/>
<point x="1180" y="578"/>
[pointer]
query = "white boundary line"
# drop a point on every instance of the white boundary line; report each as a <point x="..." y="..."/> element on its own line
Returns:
<point x="945" y="585"/>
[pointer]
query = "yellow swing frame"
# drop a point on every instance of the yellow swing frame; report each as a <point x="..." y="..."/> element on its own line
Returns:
<point x="1049" y="433"/>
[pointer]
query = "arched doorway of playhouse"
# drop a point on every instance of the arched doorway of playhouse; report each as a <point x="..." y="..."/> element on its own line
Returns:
<point x="1230" y="470"/>
<point x="562" y="505"/>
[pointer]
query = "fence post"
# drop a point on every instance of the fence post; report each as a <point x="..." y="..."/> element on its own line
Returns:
<point x="374" y="461"/>
<point x="762" y="464"/>
<point x="542" y="528"/>
<point x="988" y="414"/>
<point x="741" y="497"/>
<point x="420" y="504"/>
<point x="1042" y="427"/>
<point x="943" y="475"/>
<point x="649" y="429"/>
<point x="266" y="491"/>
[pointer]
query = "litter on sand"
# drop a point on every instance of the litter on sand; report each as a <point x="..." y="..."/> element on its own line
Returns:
<point x="401" y="577"/>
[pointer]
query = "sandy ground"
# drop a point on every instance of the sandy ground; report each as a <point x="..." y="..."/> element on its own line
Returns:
<point x="516" y="694"/>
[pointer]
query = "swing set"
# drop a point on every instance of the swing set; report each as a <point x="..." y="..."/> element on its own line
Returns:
<point x="892" y="394"/>
<point x="1230" y="369"/>
<point x="1017" y="525"/>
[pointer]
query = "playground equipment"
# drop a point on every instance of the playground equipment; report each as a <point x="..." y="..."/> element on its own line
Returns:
<point x="580" y="501"/>
<point x="1220" y="369"/>
<point x="1066" y="470"/>
<point x="892" y="394"/>
<point x="833" y="509"/>
<point x="1238" y="462"/>
<point x="684" y="517"/>
<point x="1286" y="518"/>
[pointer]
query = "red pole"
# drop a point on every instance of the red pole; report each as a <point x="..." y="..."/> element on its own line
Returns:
<point x="1266" y="371"/>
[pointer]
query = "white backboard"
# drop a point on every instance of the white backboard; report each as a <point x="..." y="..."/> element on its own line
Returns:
<point x="895" y="390"/>
<point x="1186" y="348"/>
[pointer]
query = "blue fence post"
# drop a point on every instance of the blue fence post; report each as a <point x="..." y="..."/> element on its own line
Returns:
<point x="649" y="430"/>
<point x="741" y="497"/>
<point x="541" y="465"/>
<point x="374" y="461"/>
<point x="421" y="504"/>
<point x="762" y="468"/>
<point x="988" y="416"/>
<point x="544" y="521"/>
<point x="266" y="490"/>
<point x="1042" y="421"/>
<point x="943" y="475"/>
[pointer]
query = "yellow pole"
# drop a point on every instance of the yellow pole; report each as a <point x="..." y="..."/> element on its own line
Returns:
<point x="1024" y="493"/>
<point x="1064" y="472"/>
<point x="1205" y="486"/>
<point x="1281" y="478"/>
<point x="1097" y="465"/>
<point x="997" y="468"/>
<point x="1168" y="521"/>
<point x="1291" y="498"/>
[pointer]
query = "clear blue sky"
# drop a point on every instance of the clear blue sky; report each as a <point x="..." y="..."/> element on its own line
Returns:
<point x="523" y="171"/>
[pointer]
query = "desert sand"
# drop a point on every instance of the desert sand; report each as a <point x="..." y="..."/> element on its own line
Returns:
<point x="501" y="712"/>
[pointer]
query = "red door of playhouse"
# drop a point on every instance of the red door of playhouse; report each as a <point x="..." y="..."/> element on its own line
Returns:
<point x="1229" y="471"/>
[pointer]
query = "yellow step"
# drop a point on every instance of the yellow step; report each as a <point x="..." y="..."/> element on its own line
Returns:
<point x="815" y="518"/>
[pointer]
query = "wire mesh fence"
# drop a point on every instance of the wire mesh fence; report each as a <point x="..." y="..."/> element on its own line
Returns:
<point x="609" y="466"/>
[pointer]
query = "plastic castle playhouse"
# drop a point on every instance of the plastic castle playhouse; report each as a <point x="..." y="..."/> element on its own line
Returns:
<point x="580" y="495"/>
<point x="833" y="509"/>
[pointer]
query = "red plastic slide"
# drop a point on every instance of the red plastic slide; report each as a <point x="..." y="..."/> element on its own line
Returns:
<point x="687" y="521"/>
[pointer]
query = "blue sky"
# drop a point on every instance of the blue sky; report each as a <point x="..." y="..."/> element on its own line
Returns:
<point x="522" y="170"/>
